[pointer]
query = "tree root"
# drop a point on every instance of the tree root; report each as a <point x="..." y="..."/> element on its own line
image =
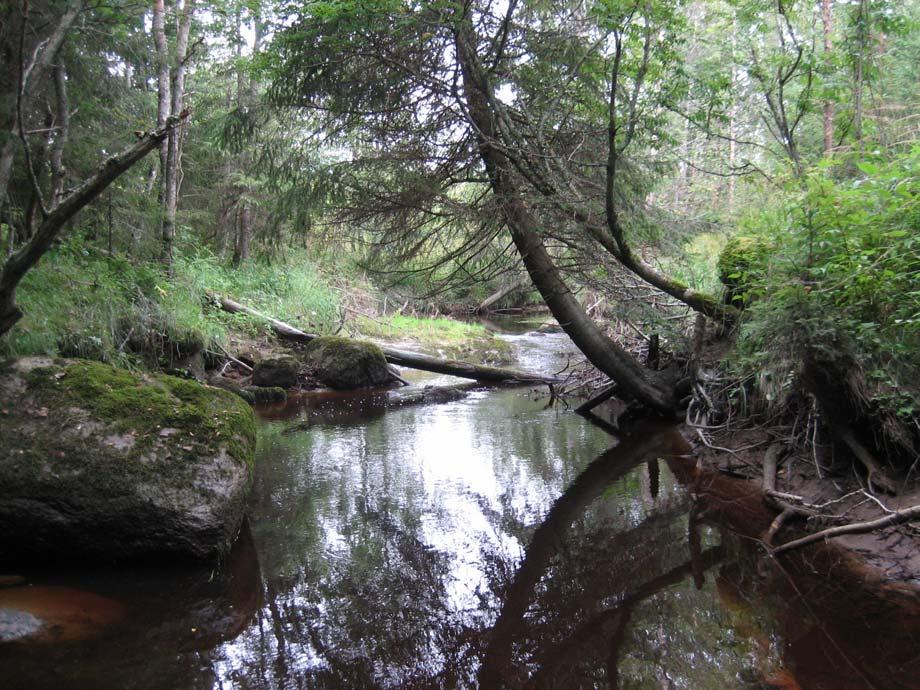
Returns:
<point x="895" y="518"/>
<point x="876" y="475"/>
<point x="776" y="499"/>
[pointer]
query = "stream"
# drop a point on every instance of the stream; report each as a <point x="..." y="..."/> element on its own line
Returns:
<point x="489" y="541"/>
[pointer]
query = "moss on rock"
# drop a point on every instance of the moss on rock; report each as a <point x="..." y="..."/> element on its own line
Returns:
<point x="345" y="363"/>
<point x="96" y="460"/>
<point x="144" y="404"/>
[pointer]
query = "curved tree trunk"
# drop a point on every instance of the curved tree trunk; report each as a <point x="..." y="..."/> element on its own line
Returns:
<point x="600" y="350"/>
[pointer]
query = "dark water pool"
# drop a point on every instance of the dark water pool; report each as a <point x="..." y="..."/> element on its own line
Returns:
<point x="492" y="541"/>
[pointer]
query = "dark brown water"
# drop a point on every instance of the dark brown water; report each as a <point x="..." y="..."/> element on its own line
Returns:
<point x="487" y="542"/>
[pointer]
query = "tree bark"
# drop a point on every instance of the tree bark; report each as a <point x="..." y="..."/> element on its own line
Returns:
<point x="401" y="358"/>
<point x="600" y="350"/>
<point x="827" y="22"/>
<point x="41" y="59"/>
<point x="177" y="93"/>
<point x="21" y="261"/>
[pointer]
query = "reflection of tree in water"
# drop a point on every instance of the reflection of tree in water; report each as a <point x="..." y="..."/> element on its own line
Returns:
<point x="361" y="601"/>
<point x="578" y="568"/>
<point x="368" y="595"/>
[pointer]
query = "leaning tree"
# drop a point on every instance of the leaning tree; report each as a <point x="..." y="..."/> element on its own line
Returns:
<point x="473" y="121"/>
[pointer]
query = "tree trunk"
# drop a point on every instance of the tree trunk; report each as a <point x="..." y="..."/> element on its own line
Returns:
<point x="600" y="350"/>
<point x="21" y="261"/>
<point x="501" y="294"/>
<point x="177" y="93"/>
<point x="244" y="233"/>
<point x="62" y="118"/>
<point x="33" y="71"/>
<point x="40" y="161"/>
<point x="862" y="43"/>
<point x="162" y="68"/>
<point x="826" y="20"/>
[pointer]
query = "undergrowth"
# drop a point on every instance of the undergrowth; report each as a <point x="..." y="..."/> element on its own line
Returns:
<point x="84" y="304"/>
<point x="842" y="288"/>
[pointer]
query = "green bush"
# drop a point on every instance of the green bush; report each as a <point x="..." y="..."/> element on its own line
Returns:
<point x="844" y="285"/>
<point x="743" y="266"/>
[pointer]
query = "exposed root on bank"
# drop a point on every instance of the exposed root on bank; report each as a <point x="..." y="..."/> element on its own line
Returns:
<point x="894" y="518"/>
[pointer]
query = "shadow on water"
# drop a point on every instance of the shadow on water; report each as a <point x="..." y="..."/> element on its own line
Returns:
<point x="486" y="542"/>
<point x="102" y="628"/>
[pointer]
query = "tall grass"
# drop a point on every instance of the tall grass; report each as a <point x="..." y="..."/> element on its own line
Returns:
<point x="84" y="304"/>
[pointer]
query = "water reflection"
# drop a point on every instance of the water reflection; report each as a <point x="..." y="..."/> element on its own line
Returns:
<point x="488" y="542"/>
<point x="133" y="628"/>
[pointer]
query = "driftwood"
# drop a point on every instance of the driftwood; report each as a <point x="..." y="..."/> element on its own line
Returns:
<point x="501" y="294"/>
<point x="402" y="358"/>
<point x="775" y="498"/>
<point x="895" y="518"/>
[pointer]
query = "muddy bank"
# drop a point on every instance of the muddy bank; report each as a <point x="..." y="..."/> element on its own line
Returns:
<point x="841" y="586"/>
<point x="890" y="555"/>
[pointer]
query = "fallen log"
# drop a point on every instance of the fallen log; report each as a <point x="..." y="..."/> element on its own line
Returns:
<point x="412" y="360"/>
<point x="501" y="294"/>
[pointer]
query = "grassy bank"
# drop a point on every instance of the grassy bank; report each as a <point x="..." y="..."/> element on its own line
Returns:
<point x="445" y="337"/>
<point x="81" y="303"/>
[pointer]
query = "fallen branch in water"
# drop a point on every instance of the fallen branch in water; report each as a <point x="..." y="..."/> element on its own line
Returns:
<point x="402" y="358"/>
<point x="895" y="518"/>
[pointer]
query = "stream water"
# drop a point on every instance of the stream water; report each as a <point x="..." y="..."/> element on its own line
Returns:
<point x="485" y="542"/>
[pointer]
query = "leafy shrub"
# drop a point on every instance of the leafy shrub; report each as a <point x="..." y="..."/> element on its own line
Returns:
<point x="844" y="286"/>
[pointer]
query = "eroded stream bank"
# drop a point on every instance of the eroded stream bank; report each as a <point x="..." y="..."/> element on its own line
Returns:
<point x="485" y="538"/>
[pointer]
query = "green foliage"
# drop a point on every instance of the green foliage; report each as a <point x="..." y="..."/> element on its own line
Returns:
<point x="743" y="266"/>
<point x="79" y="303"/>
<point x="291" y="290"/>
<point x="844" y="284"/>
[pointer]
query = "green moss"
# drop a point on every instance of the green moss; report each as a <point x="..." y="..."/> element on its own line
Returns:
<point x="346" y="363"/>
<point x="347" y="352"/>
<point x="447" y="337"/>
<point x="146" y="404"/>
<point x="743" y="263"/>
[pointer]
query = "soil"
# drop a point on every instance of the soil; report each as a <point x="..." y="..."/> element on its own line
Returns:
<point x="892" y="554"/>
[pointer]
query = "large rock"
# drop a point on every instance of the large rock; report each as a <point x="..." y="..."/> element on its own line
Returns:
<point x="345" y="363"/>
<point x="281" y="372"/>
<point x="102" y="463"/>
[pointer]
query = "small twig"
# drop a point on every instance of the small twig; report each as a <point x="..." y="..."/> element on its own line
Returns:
<point x="234" y="359"/>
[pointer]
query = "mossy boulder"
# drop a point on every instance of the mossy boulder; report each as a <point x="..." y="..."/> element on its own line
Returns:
<point x="742" y="264"/>
<point x="345" y="364"/>
<point x="99" y="463"/>
<point x="280" y="372"/>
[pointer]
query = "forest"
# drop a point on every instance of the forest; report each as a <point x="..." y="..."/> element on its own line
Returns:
<point x="314" y="292"/>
